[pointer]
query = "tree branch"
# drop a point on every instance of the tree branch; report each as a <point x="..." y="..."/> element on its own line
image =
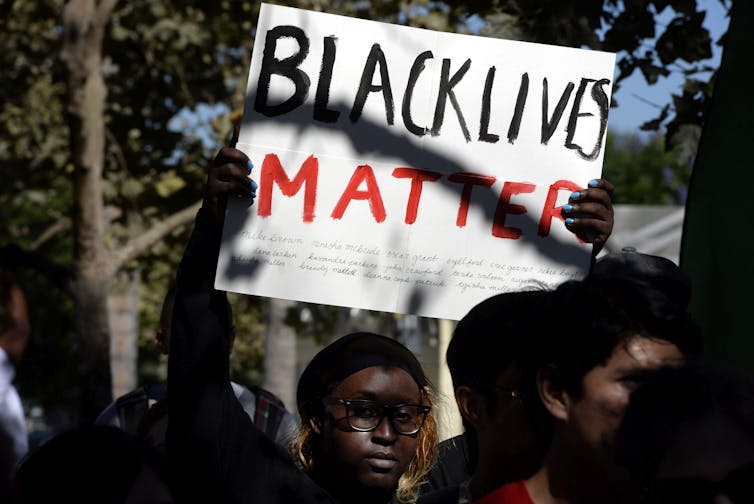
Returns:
<point x="119" y="156"/>
<point x="61" y="226"/>
<point x="104" y="10"/>
<point x="137" y="245"/>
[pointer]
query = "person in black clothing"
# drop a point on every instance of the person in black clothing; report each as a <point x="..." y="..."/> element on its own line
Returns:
<point x="93" y="465"/>
<point x="143" y="411"/>
<point x="367" y="436"/>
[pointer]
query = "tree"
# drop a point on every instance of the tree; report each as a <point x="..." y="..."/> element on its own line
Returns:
<point x="121" y="183"/>
<point x="630" y="29"/>
<point x="627" y="27"/>
<point x="643" y="171"/>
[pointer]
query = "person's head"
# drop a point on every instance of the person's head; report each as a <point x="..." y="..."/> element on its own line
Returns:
<point x="608" y="334"/>
<point x="490" y="357"/>
<point x="688" y="436"/>
<point x="93" y="465"/>
<point x="367" y="430"/>
<point x="162" y="336"/>
<point x="660" y="273"/>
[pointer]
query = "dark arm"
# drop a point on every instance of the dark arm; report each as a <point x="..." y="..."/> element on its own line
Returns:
<point x="215" y="451"/>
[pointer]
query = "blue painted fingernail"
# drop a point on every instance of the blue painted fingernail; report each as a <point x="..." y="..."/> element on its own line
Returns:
<point x="254" y="185"/>
<point x="576" y="195"/>
<point x="250" y="164"/>
<point x="567" y="208"/>
<point x="569" y="221"/>
<point x="593" y="183"/>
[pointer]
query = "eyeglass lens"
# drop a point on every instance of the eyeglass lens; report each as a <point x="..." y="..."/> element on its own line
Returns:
<point x="366" y="415"/>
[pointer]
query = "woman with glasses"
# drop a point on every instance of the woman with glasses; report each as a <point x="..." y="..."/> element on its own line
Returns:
<point x="367" y="435"/>
<point x="366" y="419"/>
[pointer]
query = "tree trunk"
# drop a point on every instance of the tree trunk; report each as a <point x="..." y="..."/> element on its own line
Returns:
<point x="280" y="374"/>
<point x="123" y="308"/>
<point x="93" y="345"/>
<point x="83" y="28"/>
<point x="94" y="266"/>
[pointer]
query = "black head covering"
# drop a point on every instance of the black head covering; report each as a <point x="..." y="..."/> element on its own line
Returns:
<point x="349" y="354"/>
<point x="496" y="333"/>
<point x="660" y="272"/>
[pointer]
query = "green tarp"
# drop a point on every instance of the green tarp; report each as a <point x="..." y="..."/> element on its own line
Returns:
<point x="718" y="236"/>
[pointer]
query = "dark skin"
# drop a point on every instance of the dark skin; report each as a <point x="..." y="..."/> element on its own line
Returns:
<point x="591" y="212"/>
<point x="228" y="176"/>
<point x="502" y="457"/>
<point x="365" y="466"/>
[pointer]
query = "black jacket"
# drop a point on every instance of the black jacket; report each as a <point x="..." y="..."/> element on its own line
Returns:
<point x="216" y="453"/>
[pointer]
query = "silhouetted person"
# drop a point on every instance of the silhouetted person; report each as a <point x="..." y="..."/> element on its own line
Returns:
<point x="143" y="411"/>
<point x="14" y="338"/>
<point x="94" y="465"/>
<point x="491" y="357"/>
<point x="688" y="437"/>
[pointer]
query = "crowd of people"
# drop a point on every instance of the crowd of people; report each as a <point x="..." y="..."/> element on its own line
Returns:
<point x="593" y="392"/>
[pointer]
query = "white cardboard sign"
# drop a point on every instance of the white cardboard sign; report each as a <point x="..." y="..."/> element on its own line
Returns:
<point x="407" y="170"/>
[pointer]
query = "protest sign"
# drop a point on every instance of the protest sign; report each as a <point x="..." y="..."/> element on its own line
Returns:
<point x="408" y="170"/>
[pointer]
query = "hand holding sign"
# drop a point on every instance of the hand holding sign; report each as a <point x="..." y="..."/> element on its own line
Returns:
<point x="414" y="171"/>
<point x="228" y="175"/>
<point x="589" y="213"/>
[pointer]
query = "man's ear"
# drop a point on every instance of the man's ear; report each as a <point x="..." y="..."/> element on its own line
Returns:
<point x="470" y="404"/>
<point x="554" y="398"/>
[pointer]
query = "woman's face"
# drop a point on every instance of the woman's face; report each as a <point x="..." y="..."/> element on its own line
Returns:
<point x="372" y="460"/>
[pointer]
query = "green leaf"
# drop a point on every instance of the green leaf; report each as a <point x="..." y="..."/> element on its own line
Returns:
<point x="131" y="188"/>
<point x="169" y="184"/>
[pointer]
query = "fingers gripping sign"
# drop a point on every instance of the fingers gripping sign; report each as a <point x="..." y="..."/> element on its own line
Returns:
<point x="589" y="213"/>
<point x="229" y="175"/>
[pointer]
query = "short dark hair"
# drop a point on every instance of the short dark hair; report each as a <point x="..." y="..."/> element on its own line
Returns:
<point x="606" y="311"/>
<point x="494" y="335"/>
<point x="345" y="356"/>
<point x="499" y="334"/>
<point x="659" y="272"/>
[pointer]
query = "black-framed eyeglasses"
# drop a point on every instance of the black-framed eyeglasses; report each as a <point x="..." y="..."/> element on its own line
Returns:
<point x="364" y="415"/>
<point x="509" y="391"/>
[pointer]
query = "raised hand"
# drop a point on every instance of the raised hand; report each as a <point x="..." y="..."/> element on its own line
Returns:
<point x="589" y="213"/>
<point x="228" y="176"/>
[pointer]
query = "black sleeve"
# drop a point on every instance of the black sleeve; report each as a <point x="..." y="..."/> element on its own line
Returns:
<point x="452" y="466"/>
<point x="215" y="451"/>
